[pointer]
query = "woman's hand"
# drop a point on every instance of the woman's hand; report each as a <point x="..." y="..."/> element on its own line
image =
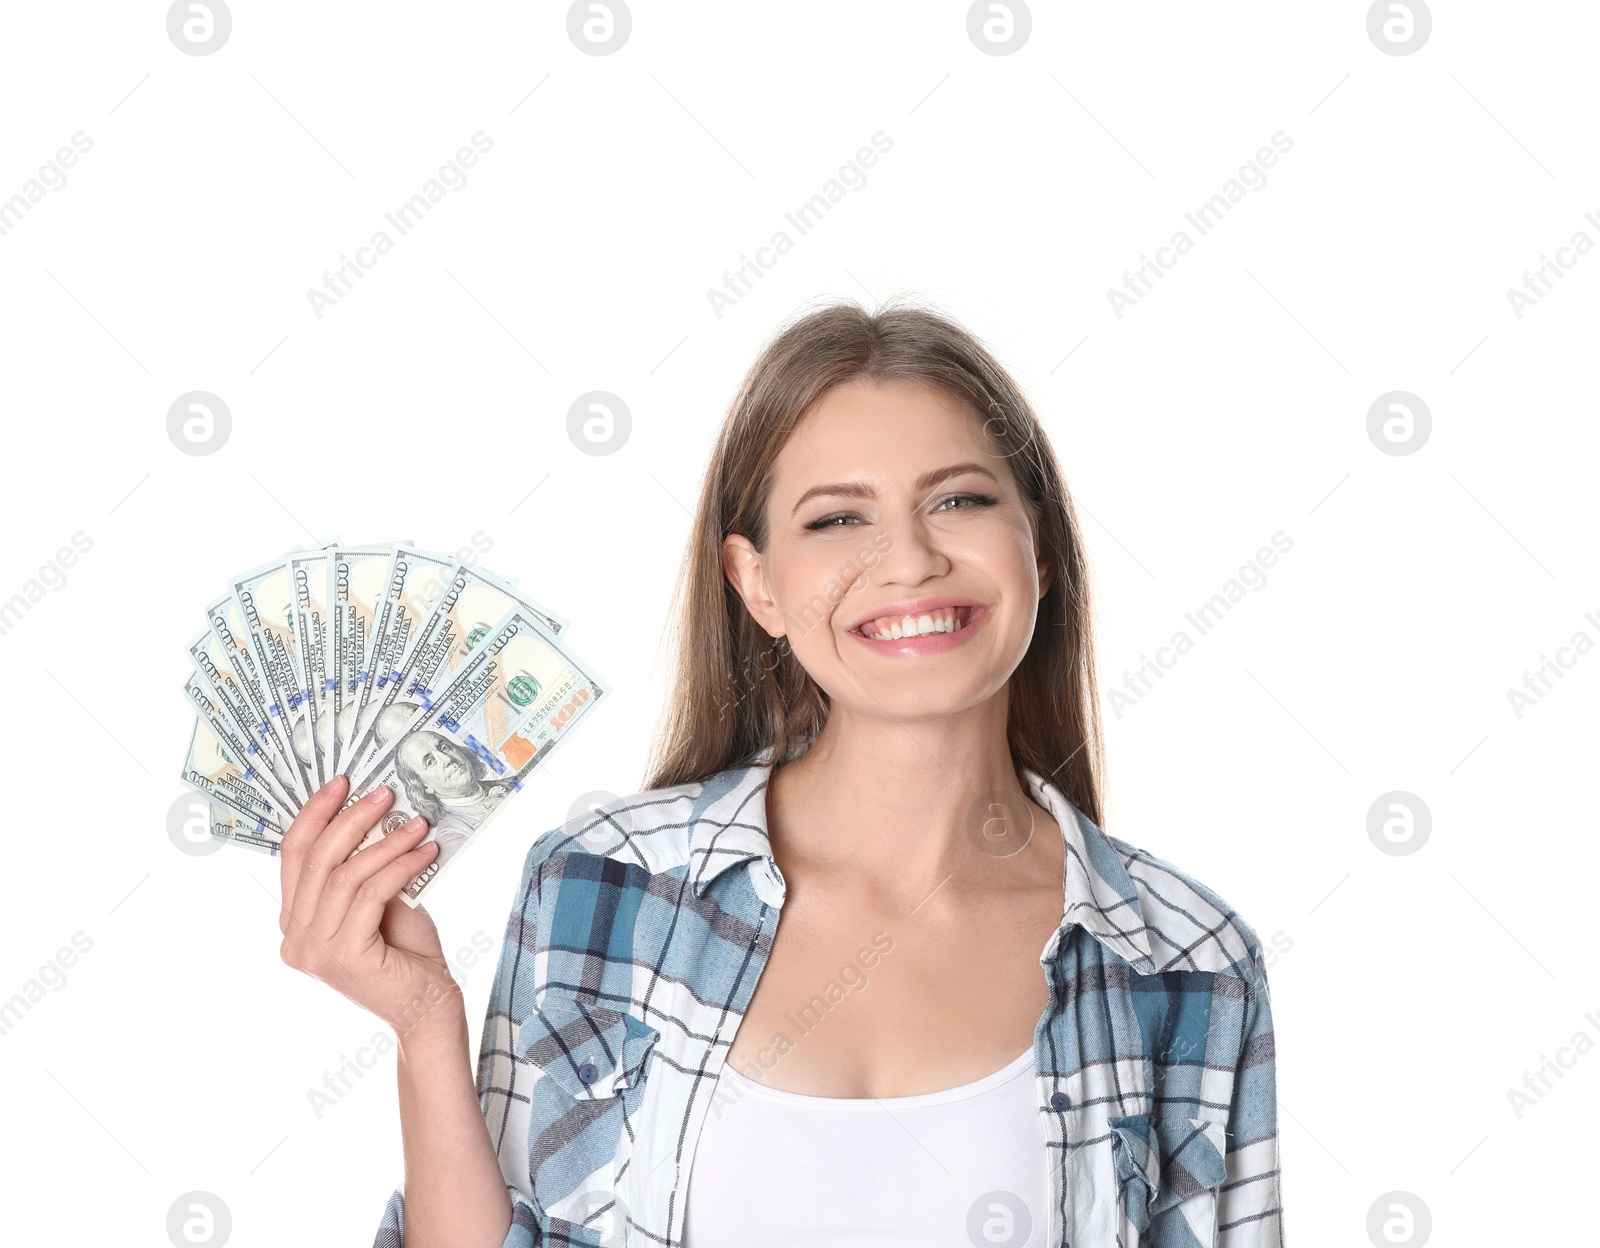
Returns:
<point x="342" y="919"/>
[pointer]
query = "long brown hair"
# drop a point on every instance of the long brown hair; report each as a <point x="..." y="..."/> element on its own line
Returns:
<point x="736" y="690"/>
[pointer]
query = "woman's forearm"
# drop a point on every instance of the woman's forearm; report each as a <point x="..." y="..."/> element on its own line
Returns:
<point x="455" y="1194"/>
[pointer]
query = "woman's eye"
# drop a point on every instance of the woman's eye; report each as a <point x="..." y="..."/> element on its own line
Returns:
<point x="981" y="500"/>
<point x="842" y="518"/>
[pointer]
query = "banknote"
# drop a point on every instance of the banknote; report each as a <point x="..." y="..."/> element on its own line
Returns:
<point x="211" y="661"/>
<point x="517" y="697"/>
<point x="390" y="664"/>
<point x="471" y="602"/>
<point x="226" y="825"/>
<point x="211" y="770"/>
<point x="235" y="739"/>
<point x="266" y="601"/>
<point x="411" y="585"/>
<point x="355" y="591"/>
<point x="233" y="640"/>
<point x="309" y="573"/>
<point x="265" y="596"/>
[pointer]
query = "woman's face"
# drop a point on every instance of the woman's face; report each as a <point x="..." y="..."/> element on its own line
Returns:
<point x="886" y="503"/>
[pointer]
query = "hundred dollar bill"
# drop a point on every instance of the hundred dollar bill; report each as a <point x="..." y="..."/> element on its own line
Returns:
<point x="222" y="683"/>
<point x="266" y="601"/>
<point x="253" y="834"/>
<point x="518" y="697"/>
<point x="412" y="583"/>
<point x="470" y="604"/>
<point x="309" y="579"/>
<point x="355" y="591"/>
<point x="240" y="747"/>
<point x="208" y="769"/>
<point x="233" y="638"/>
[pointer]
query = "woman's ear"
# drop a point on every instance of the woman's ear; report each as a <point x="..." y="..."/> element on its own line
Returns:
<point x="741" y="564"/>
<point x="1047" y="576"/>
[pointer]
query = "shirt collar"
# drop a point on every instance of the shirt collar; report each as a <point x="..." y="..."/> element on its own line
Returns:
<point x="728" y="826"/>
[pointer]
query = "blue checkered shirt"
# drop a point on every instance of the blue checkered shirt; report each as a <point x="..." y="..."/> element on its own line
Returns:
<point x="634" y="947"/>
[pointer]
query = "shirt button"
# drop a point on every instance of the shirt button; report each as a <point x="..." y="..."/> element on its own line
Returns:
<point x="588" y="1072"/>
<point x="1059" y="1100"/>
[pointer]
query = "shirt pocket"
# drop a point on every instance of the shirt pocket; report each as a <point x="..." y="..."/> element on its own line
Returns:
<point x="592" y="1061"/>
<point x="1168" y="1168"/>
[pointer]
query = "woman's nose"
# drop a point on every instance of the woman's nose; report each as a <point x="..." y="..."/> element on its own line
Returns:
<point x="912" y="553"/>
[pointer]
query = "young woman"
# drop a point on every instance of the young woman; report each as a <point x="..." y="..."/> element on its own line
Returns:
<point x="980" y="1020"/>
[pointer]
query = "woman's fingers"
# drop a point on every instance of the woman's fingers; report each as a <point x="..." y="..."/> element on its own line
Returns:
<point x="367" y="907"/>
<point x="348" y="884"/>
<point x="308" y="824"/>
<point x="332" y="846"/>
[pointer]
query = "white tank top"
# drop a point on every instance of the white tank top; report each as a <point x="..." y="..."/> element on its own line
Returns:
<point x="966" y="1165"/>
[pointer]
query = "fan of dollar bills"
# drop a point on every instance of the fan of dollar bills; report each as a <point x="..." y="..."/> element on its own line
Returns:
<point x="385" y="664"/>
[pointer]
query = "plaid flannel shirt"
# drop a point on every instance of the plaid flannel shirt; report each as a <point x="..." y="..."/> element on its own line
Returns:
<point x="633" y="950"/>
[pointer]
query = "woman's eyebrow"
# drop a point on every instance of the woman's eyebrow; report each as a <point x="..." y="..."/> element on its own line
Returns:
<point x="860" y="489"/>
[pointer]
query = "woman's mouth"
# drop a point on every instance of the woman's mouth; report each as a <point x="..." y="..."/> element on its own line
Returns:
<point x="927" y="632"/>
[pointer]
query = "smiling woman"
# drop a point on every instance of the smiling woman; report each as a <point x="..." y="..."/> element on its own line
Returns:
<point x="882" y="734"/>
<point x="890" y="428"/>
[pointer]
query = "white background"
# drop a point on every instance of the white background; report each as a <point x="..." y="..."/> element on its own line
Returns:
<point x="1410" y="992"/>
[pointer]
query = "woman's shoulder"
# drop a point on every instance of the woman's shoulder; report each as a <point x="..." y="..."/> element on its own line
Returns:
<point x="652" y="829"/>
<point x="1190" y="925"/>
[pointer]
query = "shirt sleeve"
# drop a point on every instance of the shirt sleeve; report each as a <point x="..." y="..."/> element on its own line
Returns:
<point x="503" y="1078"/>
<point x="1249" y="1205"/>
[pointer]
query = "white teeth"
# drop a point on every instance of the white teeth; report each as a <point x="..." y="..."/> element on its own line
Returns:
<point x="944" y="621"/>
